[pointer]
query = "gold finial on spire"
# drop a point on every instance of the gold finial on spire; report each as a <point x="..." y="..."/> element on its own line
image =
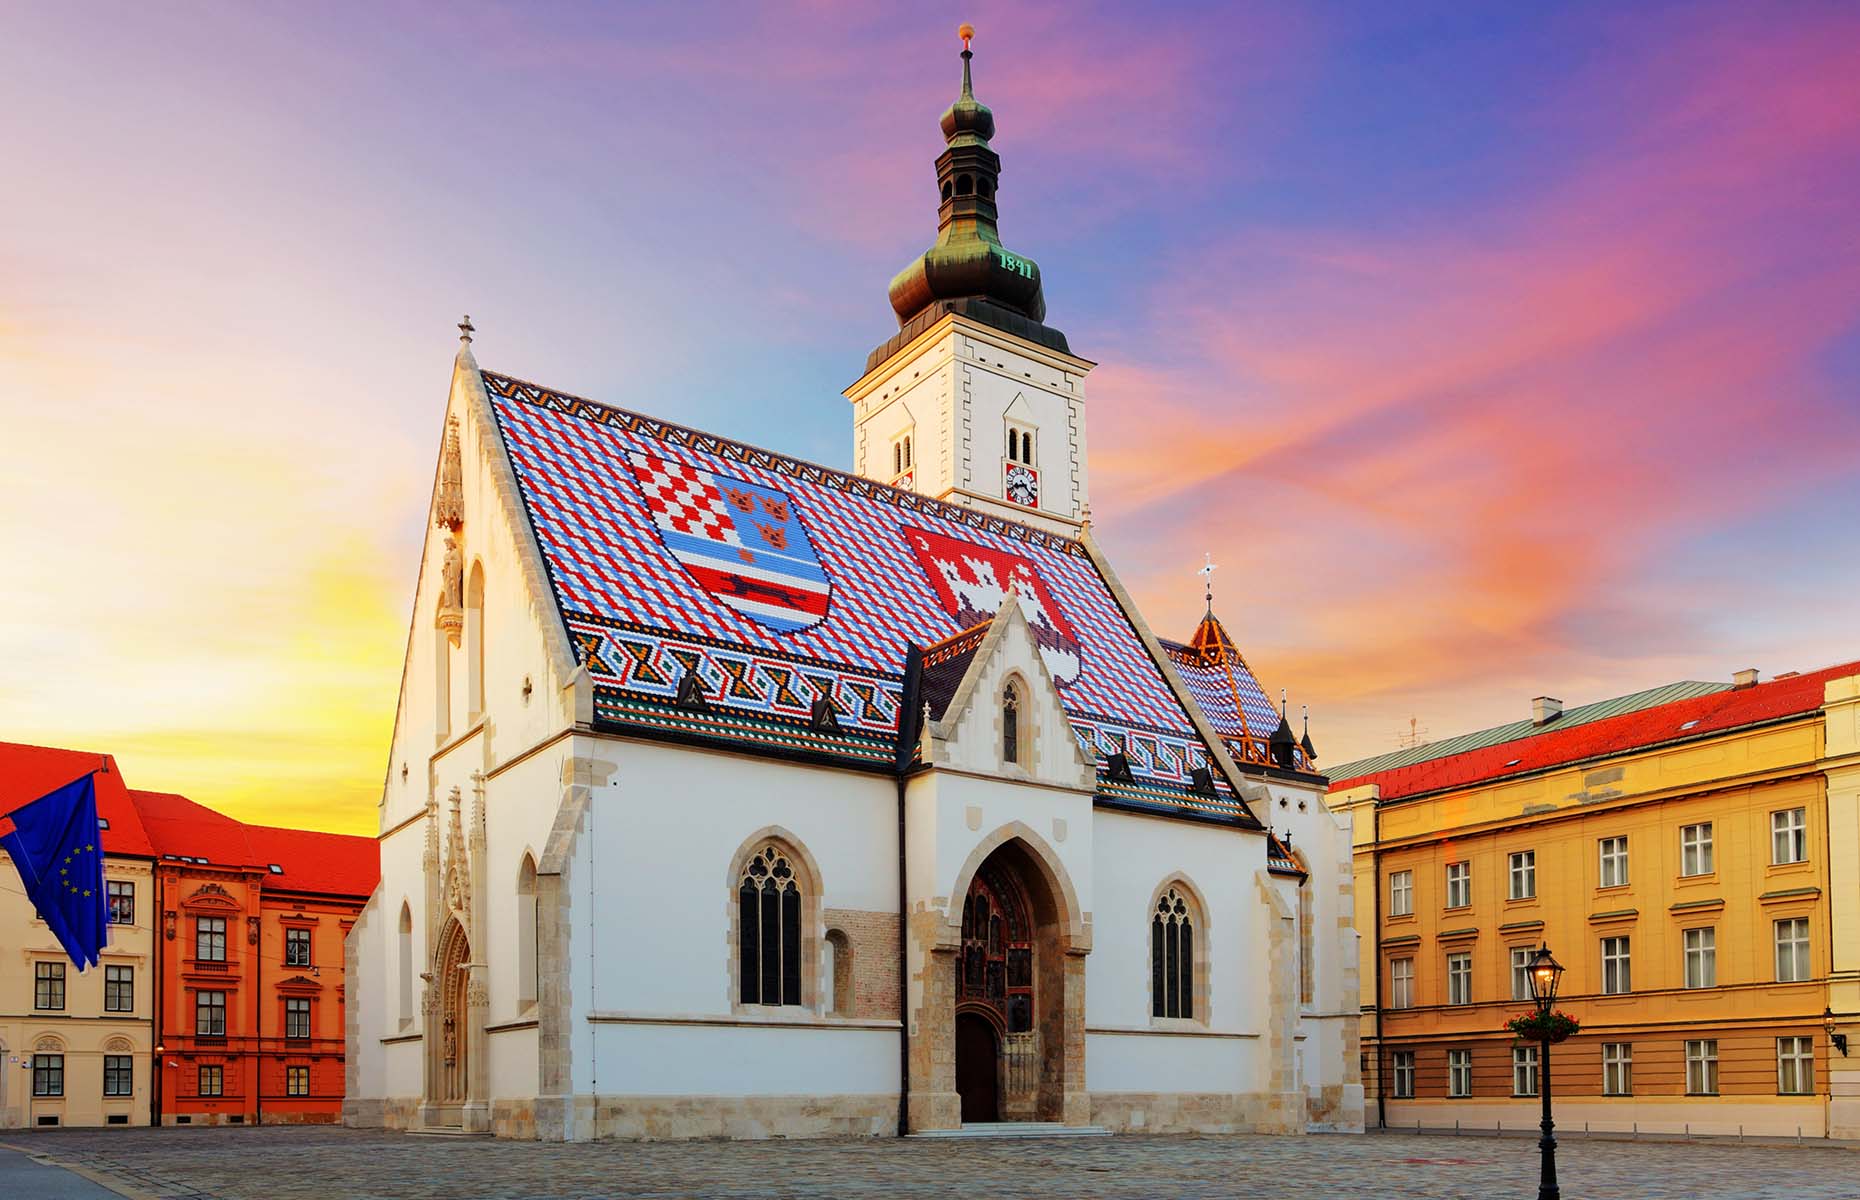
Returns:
<point x="965" y="31"/>
<point x="466" y="329"/>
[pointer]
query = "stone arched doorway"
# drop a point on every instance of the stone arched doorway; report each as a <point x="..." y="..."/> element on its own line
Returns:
<point x="454" y="1041"/>
<point x="1002" y="1032"/>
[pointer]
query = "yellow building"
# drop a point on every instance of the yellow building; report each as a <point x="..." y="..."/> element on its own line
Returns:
<point x="74" y="1048"/>
<point x="1690" y="854"/>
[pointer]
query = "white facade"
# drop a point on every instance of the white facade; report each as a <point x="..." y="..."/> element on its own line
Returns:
<point x="553" y="951"/>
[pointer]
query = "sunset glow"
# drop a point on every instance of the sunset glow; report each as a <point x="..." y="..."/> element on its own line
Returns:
<point x="1491" y="355"/>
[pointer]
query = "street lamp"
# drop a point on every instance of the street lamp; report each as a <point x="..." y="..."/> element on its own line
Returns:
<point x="1545" y="974"/>
<point x="1837" y="1040"/>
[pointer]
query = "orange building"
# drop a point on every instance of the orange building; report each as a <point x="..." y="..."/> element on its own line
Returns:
<point x="1688" y="853"/>
<point x="249" y="1012"/>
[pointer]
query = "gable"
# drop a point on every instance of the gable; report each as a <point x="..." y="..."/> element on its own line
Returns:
<point x="674" y="553"/>
<point x="968" y="731"/>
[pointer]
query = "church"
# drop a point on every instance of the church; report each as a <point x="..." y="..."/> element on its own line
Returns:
<point x="732" y="795"/>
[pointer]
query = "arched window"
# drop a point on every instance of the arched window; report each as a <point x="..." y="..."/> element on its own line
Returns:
<point x="474" y="645"/>
<point x="983" y="188"/>
<point x="836" y="966"/>
<point x="897" y="457"/>
<point x="1172" y="956"/>
<point x="529" y="979"/>
<point x="947" y="189"/>
<point x="1010" y="724"/>
<point x="1013" y="445"/>
<point x="907" y="451"/>
<point x="768" y="909"/>
<point x="405" y="964"/>
<point x="964" y="185"/>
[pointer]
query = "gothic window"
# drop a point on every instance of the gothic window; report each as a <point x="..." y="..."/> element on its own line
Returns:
<point x="996" y="968"/>
<point x="406" y="964"/>
<point x="528" y="977"/>
<point x="1020" y="444"/>
<point x="1172" y="956"/>
<point x="1010" y="725"/>
<point x="902" y="457"/>
<point x="768" y="899"/>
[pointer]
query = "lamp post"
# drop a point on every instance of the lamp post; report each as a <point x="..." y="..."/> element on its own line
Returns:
<point x="1836" y="1040"/>
<point x="1545" y="974"/>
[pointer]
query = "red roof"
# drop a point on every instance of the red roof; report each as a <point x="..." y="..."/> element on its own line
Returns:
<point x="1678" y="721"/>
<point x="326" y="863"/>
<point x="29" y="772"/>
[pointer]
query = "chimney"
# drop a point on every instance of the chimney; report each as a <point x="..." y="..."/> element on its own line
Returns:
<point x="1745" y="678"/>
<point x="1545" y="709"/>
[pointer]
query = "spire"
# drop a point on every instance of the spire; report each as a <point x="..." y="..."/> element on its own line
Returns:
<point x="968" y="270"/>
<point x="1304" y="743"/>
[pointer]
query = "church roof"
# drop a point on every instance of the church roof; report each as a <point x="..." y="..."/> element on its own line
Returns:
<point x="1227" y="691"/>
<point x="772" y="582"/>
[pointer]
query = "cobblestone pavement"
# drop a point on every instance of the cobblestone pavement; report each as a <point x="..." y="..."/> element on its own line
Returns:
<point x="328" y="1164"/>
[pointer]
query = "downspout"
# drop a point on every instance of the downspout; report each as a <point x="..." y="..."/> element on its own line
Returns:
<point x="258" y="1017"/>
<point x="1375" y="956"/>
<point x="910" y="715"/>
<point x="158" y="958"/>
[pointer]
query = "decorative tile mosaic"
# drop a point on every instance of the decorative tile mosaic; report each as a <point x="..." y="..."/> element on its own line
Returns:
<point x="623" y="506"/>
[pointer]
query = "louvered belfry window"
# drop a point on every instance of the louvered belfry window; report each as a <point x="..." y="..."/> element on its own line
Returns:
<point x="1172" y="958"/>
<point x="769" y="929"/>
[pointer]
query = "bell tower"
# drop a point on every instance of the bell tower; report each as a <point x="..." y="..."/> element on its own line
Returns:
<point x="975" y="400"/>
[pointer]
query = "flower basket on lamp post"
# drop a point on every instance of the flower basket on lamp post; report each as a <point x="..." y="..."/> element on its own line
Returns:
<point x="1551" y="1027"/>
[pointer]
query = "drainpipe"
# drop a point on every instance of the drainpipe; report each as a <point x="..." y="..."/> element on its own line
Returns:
<point x="158" y="962"/>
<point x="258" y="1015"/>
<point x="1375" y="956"/>
<point x="910" y="717"/>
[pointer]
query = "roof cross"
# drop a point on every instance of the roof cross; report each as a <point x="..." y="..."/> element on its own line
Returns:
<point x="1206" y="571"/>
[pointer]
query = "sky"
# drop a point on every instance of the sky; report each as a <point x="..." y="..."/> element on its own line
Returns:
<point x="1492" y="351"/>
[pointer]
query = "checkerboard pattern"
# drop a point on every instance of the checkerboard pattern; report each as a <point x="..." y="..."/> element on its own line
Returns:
<point x="640" y="621"/>
<point x="679" y="498"/>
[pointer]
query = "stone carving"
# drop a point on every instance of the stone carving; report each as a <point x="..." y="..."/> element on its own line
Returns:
<point x="449" y="501"/>
<point x="458" y="873"/>
<point x="449" y="1047"/>
<point x="451" y="617"/>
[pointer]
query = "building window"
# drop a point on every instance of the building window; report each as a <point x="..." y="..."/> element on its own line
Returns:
<point x="1459" y="1073"/>
<point x="122" y="894"/>
<point x="1459" y="884"/>
<point x="297" y="1081"/>
<point x="768" y="908"/>
<point x="297" y="1017"/>
<point x="1459" y="979"/>
<point x="1789" y="836"/>
<point x="1702" y="1067"/>
<point x="1172" y="958"/>
<point x="1010" y="725"/>
<point x="1401" y="893"/>
<point x="119" y="989"/>
<point x="48" y="1074"/>
<point x="901" y="457"/>
<point x="1795" y="1066"/>
<point x="48" y="985"/>
<point x="1617" y="1068"/>
<point x="1524" y="1070"/>
<point x="1792" y="950"/>
<point x="1521" y="972"/>
<point x="1402" y="1062"/>
<point x="297" y="947"/>
<point x="119" y="1075"/>
<point x="1020" y="444"/>
<point x="1701" y="958"/>
<point x="1695" y="849"/>
<point x="1523" y="875"/>
<point x="211" y="1080"/>
<point x="1617" y="973"/>
<point x="404" y="948"/>
<point x="1614" y="862"/>
<point x="210" y="939"/>
<point x="529" y="971"/>
<point x="210" y="1014"/>
<point x="1401" y="983"/>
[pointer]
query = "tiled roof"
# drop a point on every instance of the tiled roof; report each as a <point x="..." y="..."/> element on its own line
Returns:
<point x="1717" y="711"/>
<point x="29" y="772"/>
<point x="775" y="581"/>
<point x="1511" y="732"/>
<point x="323" y="863"/>
<point x="1225" y="688"/>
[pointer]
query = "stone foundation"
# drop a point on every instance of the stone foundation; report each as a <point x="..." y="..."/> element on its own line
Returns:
<point x="1191" y="1112"/>
<point x="1335" y="1109"/>
<point x="669" y="1118"/>
<point x="375" y="1113"/>
<point x="514" y="1119"/>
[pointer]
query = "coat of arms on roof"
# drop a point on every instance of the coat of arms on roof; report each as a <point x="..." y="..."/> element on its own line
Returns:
<point x="972" y="580"/>
<point x="743" y="543"/>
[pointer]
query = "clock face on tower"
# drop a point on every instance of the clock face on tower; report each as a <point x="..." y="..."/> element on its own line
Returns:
<point x="1021" y="483"/>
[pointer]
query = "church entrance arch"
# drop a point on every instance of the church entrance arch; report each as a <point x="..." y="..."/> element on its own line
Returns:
<point x="450" y="1075"/>
<point x="1017" y="997"/>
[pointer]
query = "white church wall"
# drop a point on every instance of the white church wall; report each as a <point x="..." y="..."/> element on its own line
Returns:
<point x="1159" y="1064"/>
<point x="992" y="378"/>
<point x="748" y="1060"/>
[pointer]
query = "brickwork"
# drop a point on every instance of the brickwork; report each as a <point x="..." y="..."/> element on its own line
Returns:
<point x="872" y="938"/>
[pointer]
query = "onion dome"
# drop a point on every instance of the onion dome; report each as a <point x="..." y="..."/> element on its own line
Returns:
<point x="968" y="270"/>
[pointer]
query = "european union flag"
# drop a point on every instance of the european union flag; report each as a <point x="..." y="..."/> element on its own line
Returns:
<point x="55" y="846"/>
